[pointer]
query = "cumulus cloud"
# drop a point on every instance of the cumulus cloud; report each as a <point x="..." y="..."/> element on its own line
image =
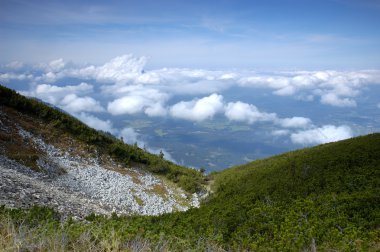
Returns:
<point x="70" y="98"/>
<point x="198" y="109"/>
<point x="244" y="112"/>
<point x="50" y="89"/>
<point x="158" y="150"/>
<point x="72" y="103"/>
<point x="56" y="65"/>
<point x="294" y="122"/>
<point x="156" y="109"/>
<point x="282" y="132"/>
<point x="96" y="123"/>
<point x="137" y="100"/>
<point x="324" y="134"/>
<point x="120" y="69"/>
<point x="127" y="88"/>
<point x="335" y="88"/>
<point x="333" y="99"/>
<point x="54" y="94"/>
<point x="130" y="136"/>
<point x="15" y="65"/>
<point x="126" y="105"/>
<point x="7" y="77"/>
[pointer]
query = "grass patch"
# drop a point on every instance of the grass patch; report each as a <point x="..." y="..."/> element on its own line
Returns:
<point x="159" y="189"/>
<point x="139" y="201"/>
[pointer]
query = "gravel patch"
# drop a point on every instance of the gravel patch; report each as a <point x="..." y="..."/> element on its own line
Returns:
<point x="77" y="185"/>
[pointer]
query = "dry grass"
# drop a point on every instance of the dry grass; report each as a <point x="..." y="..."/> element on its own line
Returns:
<point x="24" y="151"/>
<point x="159" y="189"/>
<point x="17" y="148"/>
<point x="21" y="237"/>
<point x="139" y="201"/>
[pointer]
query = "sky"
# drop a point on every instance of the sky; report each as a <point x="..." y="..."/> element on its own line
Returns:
<point x="294" y="72"/>
<point x="256" y="34"/>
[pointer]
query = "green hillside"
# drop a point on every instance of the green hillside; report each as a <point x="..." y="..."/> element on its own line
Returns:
<point x="325" y="198"/>
<point x="328" y="194"/>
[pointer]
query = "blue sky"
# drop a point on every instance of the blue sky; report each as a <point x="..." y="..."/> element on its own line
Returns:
<point x="264" y="35"/>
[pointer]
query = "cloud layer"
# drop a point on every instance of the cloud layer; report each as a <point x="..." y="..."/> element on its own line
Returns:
<point x="122" y="87"/>
<point x="243" y="112"/>
<point x="198" y="109"/>
<point x="325" y="134"/>
<point x="333" y="88"/>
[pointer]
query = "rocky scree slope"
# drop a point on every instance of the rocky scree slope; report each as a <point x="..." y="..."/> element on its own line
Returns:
<point x="41" y="167"/>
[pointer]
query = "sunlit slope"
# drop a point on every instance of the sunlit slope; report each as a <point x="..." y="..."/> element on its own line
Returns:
<point x="347" y="166"/>
<point x="326" y="196"/>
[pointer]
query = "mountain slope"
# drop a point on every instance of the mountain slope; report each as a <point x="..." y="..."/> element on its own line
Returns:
<point x="323" y="198"/>
<point x="77" y="170"/>
<point x="326" y="197"/>
<point x="329" y="193"/>
<point x="59" y="122"/>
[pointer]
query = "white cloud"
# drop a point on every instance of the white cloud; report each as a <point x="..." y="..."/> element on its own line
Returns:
<point x="244" y="112"/>
<point x="156" y="109"/>
<point x="198" y="109"/>
<point x="50" y="89"/>
<point x="72" y="103"/>
<point x="96" y="123"/>
<point x="335" y="88"/>
<point x="7" y="77"/>
<point x="56" y="65"/>
<point x="139" y="99"/>
<point x="258" y="81"/>
<point x="148" y="78"/>
<point x="285" y="91"/>
<point x="333" y="99"/>
<point x="54" y="94"/>
<point x="126" y="88"/>
<point x="130" y="136"/>
<point x="294" y="122"/>
<point x="126" y="105"/>
<point x="324" y="134"/>
<point x="15" y="65"/>
<point x="52" y="71"/>
<point x="281" y="132"/>
<point x="120" y="69"/>
<point x="378" y="105"/>
<point x="156" y="151"/>
<point x="48" y="77"/>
